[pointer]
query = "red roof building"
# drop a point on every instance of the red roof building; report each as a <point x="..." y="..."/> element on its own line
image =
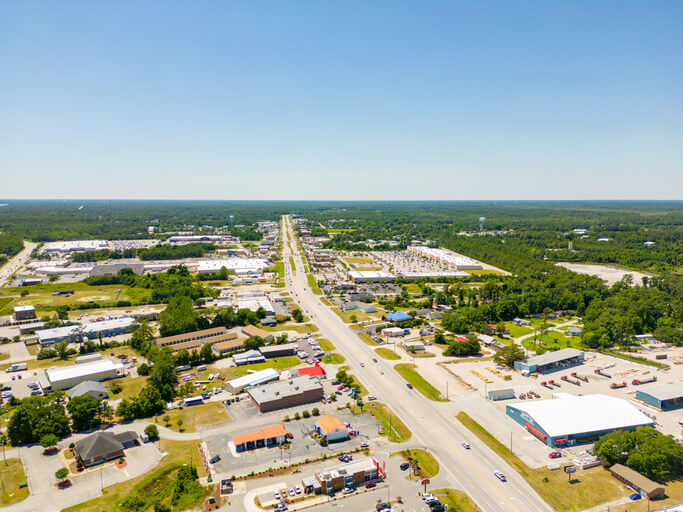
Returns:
<point x="460" y="338"/>
<point x="312" y="371"/>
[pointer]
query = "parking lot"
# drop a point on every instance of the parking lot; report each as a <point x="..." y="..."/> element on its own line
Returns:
<point x="302" y="445"/>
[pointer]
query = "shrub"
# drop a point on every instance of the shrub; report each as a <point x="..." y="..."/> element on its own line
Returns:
<point x="306" y="414"/>
<point x="152" y="431"/>
<point x="315" y="411"/>
<point x="297" y="416"/>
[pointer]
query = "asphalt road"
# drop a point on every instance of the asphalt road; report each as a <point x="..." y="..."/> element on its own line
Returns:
<point x="16" y="262"/>
<point x="433" y="424"/>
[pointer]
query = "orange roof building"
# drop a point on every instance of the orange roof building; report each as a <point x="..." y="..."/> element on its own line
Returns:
<point x="264" y="438"/>
<point x="331" y="428"/>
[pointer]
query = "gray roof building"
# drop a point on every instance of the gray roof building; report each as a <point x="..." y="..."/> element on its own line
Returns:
<point x="286" y="393"/>
<point x="103" y="446"/>
<point x="88" y="387"/>
<point x="248" y="357"/>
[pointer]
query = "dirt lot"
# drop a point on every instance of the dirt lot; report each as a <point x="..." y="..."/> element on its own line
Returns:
<point x="609" y="273"/>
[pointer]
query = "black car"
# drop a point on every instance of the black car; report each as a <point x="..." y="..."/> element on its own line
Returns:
<point x="404" y="466"/>
<point x="382" y="506"/>
<point x="410" y="386"/>
<point x="215" y="459"/>
<point x="435" y="506"/>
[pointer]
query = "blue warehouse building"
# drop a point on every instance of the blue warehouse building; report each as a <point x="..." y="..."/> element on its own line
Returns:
<point x="568" y="419"/>
<point x="551" y="361"/>
<point x="664" y="398"/>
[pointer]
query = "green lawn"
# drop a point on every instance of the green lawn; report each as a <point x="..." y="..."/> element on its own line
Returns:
<point x="196" y="416"/>
<point x="386" y="353"/>
<point x="334" y="358"/>
<point x="407" y="371"/>
<point x="392" y="426"/>
<point x="280" y="269"/>
<point x="428" y="465"/>
<point x="11" y="475"/>
<point x="179" y="452"/>
<point x="325" y="301"/>
<point x="287" y="326"/>
<point x="456" y="500"/>
<point x="358" y="261"/>
<point x="553" y="340"/>
<point x="589" y="488"/>
<point x="518" y="330"/>
<point x="131" y="387"/>
<point x="325" y="344"/>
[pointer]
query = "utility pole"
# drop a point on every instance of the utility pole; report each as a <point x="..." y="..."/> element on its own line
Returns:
<point x="510" y="442"/>
<point x="446" y="390"/>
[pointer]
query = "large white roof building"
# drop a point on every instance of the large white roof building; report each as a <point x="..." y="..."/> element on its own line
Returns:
<point x="69" y="376"/>
<point x="571" y="418"/>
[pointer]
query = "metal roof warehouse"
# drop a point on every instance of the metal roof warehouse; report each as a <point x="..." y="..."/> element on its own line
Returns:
<point x="663" y="398"/>
<point x="551" y="361"/>
<point x="569" y="419"/>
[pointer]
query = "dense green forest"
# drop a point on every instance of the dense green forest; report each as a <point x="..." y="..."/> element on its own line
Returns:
<point x="10" y="244"/>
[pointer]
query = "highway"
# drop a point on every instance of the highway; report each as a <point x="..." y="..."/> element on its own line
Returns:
<point x="16" y="262"/>
<point x="432" y="424"/>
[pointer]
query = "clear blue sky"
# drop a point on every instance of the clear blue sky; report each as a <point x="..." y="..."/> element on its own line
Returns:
<point x="341" y="100"/>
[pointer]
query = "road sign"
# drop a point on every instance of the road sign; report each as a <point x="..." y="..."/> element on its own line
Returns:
<point x="570" y="469"/>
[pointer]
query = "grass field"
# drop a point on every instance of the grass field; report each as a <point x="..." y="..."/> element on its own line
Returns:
<point x="303" y="329"/>
<point x="280" y="269"/>
<point x="325" y="301"/>
<point x="313" y="285"/>
<point x="553" y="340"/>
<point x="407" y="371"/>
<point x="11" y="475"/>
<point x="131" y="387"/>
<point x="392" y="426"/>
<point x="456" y="500"/>
<point x="588" y="488"/>
<point x="386" y="353"/>
<point x="334" y="358"/>
<point x="179" y="452"/>
<point x="40" y="295"/>
<point x="518" y="330"/>
<point x="636" y="359"/>
<point x="428" y="465"/>
<point x="346" y="315"/>
<point x="196" y="416"/>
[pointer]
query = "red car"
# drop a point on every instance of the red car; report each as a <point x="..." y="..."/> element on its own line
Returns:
<point x="554" y="455"/>
<point x="370" y="485"/>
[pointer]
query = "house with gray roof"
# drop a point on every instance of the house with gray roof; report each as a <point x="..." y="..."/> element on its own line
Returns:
<point x="88" y="387"/>
<point x="101" y="447"/>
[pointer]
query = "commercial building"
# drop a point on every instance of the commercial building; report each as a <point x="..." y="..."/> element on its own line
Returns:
<point x="551" y="361"/>
<point x="286" y="349"/>
<point x="88" y="387"/>
<point x="75" y="246"/>
<point x="331" y="428"/>
<point x="414" y="346"/>
<point x="574" y="331"/>
<point x="265" y="438"/>
<point x="642" y="485"/>
<point x="431" y="275"/>
<point x="393" y="331"/>
<point x="445" y="257"/>
<point x="58" y="334"/>
<point x="103" y="446"/>
<point x="501" y="394"/>
<point x="370" y="276"/>
<point x="312" y="371"/>
<point x="112" y="267"/>
<point x="186" y="345"/>
<point x="67" y="377"/>
<point x="107" y="328"/>
<point x="169" y="341"/>
<point x="235" y="265"/>
<point x="226" y="346"/>
<point x="24" y="313"/>
<point x="398" y="317"/>
<point x="286" y="393"/>
<point x="569" y="419"/>
<point x="664" y="398"/>
<point x="252" y="379"/>
<point x="351" y="474"/>
<point x="248" y="357"/>
<point x="251" y="331"/>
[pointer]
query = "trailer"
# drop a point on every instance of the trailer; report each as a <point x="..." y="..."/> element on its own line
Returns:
<point x="602" y="373"/>
<point x="17" y="367"/>
<point x="580" y="377"/>
<point x="616" y="385"/>
<point x="646" y="380"/>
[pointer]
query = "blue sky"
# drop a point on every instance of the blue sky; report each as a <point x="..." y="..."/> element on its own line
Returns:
<point x="341" y="100"/>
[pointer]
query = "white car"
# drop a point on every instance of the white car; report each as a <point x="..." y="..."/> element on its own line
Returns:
<point x="427" y="497"/>
<point x="291" y="491"/>
<point x="347" y="490"/>
<point x="500" y="476"/>
<point x="362" y="365"/>
<point x="466" y="445"/>
<point x="371" y="398"/>
<point x="297" y="489"/>
<point x="276" y="495"/>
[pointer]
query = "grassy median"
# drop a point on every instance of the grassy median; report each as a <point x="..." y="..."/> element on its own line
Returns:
<point x="392" y="427"/>
<point x="456" y="500"/>
<point x="386" y="353"/>
<point x="428" y="466"/>
<point x="407" y="371"/>
<point x="588" y="488"/>
<point x="313" y="284"/>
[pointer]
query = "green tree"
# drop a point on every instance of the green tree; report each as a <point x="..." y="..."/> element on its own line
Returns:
<point x="61" y="474"/>
<point x="178" y="317"/>
<point x="297" y="315"/>
<point x="62" y="349"/>
<point x="507" y="356"/>
<point x="85" y="412"/>
<point x="48" y="440"/>
<point x="152" y="431"/>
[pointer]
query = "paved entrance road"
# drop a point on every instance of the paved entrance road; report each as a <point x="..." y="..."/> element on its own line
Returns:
<point x="432" y="423"/>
